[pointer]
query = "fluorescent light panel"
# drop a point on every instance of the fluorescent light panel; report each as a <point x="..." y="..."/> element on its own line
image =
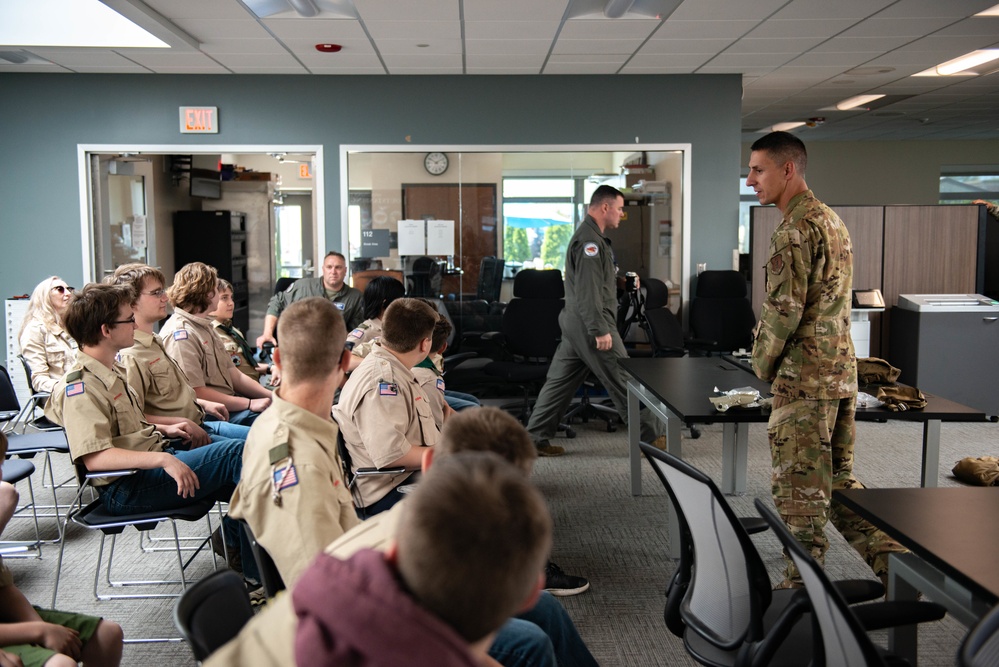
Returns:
<point x="854" y="102"/>
<point x="960" y="66"/>
<point x="71" y="23"/>
<point x="991" y="11"/>
<point x="783" y="127"/>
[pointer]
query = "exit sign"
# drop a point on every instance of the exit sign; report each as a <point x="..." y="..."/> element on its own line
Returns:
<point x="199" y="120"/>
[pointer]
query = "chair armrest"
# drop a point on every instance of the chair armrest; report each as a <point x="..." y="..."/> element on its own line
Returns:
<point x="882" y="615"/>
<point x="111" y="473"/>
<point x="371" y="472"/>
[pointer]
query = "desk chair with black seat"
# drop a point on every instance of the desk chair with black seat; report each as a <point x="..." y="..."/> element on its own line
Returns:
<point x="283" y="283"/>
<point x="721" y="315"/>
<point x="530" y="335"/>
<point x="270" y="577"/>
<point x="351" y="475"/>
<point x="212" y="611"/>
<point x="980" y="647"/>
<point x="14" y="471"/>
<point x="727" y="612"/>
<point x="424" y="279"/>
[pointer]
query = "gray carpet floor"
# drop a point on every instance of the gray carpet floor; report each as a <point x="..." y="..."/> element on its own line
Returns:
<point x="617" y="541"/>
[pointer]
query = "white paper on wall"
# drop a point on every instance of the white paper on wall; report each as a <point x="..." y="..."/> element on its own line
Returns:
<point x="412" y="238"/>
<point x="440" y="237"/>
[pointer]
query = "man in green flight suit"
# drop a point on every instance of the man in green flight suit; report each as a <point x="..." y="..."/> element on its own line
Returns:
<point x="803" y="345"/>
<point x="590" y="340"/>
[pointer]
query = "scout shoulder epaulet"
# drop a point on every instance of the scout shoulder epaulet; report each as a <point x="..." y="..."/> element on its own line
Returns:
<point x="74" y="376"/>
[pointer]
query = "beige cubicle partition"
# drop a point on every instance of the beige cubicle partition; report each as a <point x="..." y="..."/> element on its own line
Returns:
<point x="897" y="249"/>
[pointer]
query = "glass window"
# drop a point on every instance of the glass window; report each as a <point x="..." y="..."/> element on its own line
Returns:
<point x="537" y="221"/>
<point x="965" y="188"/>
<point x="747" y="198"/>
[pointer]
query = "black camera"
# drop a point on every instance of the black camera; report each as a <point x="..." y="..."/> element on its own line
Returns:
<point x="630" y="281"/>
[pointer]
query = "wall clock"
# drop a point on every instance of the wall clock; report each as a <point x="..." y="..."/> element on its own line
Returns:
<point x="435" y="163"/>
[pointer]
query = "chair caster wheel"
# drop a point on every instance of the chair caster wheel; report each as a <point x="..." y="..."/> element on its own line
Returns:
<point x="694" y="433"/>
<point x="611" y="428"/>
<point x="570" y="433"/>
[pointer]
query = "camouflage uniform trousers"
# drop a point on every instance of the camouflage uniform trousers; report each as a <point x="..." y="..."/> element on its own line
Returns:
<point x="811" y="442"/>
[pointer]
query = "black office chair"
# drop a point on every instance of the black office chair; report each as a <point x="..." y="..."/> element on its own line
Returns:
<point x="662" y="328"/>
<point x="212" y="611"/>
<point x="270" y="577"/>
<point x="283" y="284"/>
<point x="840" y="639"/>
<point x="722" y="601"/>
<point x="424" y="279"/>
<point x="980" y="647"/>
<point x="530" y="334"/>
<point x="721" y="315"/>
<point x="350" y="474"/>
<point x="14" y="471"/>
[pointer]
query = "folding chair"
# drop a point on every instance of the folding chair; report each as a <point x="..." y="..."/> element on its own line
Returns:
<point x="270" y="578"/>
<point x="94" y="517"/>
<point x="212" y="611"/>
<point x="14" y="471"/>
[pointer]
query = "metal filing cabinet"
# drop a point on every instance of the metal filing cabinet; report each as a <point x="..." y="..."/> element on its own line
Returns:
<point x="948" y="345"/>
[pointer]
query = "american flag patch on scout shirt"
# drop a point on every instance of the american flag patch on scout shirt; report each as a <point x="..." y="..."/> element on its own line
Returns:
<point x="440" y="384"/>
<point x="357" y="333"/>
<point x="282" y="479"/>
<point x="387" y="389"/>
<point x="74" y="389"/>
<point x="180" y="334"/>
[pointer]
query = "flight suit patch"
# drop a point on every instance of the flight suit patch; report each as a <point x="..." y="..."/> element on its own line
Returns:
<point x="74" y="389"/>
<point x="591" y="249"/>
<point x="388" y="389"/>
<point x="339" y="306"/>
<point x="180" y="334"/>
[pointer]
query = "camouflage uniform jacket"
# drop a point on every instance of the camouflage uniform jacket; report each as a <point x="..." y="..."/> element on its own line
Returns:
<point x="803" y="342"/>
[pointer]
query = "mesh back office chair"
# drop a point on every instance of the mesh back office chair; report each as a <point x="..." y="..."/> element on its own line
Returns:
<point x="721" y="315"/>
<point x="425" y="279"/>
<point x="212" y="611"/>
<point x="728" y="613"/>
<point x="980" y="647"/>
<point x="283" y="284"/>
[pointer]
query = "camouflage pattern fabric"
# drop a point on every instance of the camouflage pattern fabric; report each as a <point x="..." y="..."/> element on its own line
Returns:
<point x="803" y="347"/>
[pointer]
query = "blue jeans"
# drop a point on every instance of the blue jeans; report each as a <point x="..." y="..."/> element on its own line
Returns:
<point x="243" y="417"/>
<point x="459" y="400"/>
<point x="522" y="644"/>
<point x="219" y="430"/>
<point x="549" y="615"/>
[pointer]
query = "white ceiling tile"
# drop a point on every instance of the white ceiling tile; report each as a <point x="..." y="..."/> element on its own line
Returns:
<point x="820" y="10"/>
<point x="608" y="29"/>
<point x="315" y="61"/>
<point x="980" y="26"/>
<point x="397" y="60"/>
<point x="515" y="60"/>
<point x="896" y="27"/>
<point x="416" y="31"/>
<point x="774" y="29"/>
<point x="508" y="47"/>
<point x="199" y="9"/>
<point x="204" y="29"/>
<point x="934" y="8"/>
<point x="494" y="10"/>
<point x="581" y="68"/>
<point x="505" y="71"/>
<point x="245" y="61"/>
<point x="189" y="69"/>
<point x="160" y="59"/>
<point x="408" y="47"/>
<point x="750" y="59"/>
<point x="266" y="69"/>
<point x="510" y="30"/>
<point x="317" y="30"/>
<point x="708" y="29"/>
<point x="347" y="70"/>
<point x="31" y="69"/>
<point x="615" y="46"/>
<point x="76" y="58"/>
<point x="130" y="68"/>
<point x="880" y="44"/>
<point x="415" y="69"/>
<point x="349" y="45"/>
<point x="793" y="45"/>
<point x="688" y="61"/>
<point x="727" y="9"/>
<point x="258" y="46"/>
<point x="407" y="10"/>
<point x="632" y="68"/>
<point x="588" y="58"/>
<point x="742" y="69"/>
<point x="845" y="60"/>
<point x="701" y="46"/>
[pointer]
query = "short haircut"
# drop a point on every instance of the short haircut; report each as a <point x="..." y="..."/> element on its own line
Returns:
<point x="407" y="322"/>
<point x="487" y="429"/>
<point x="783" y="147"/>
<point x="193" y="286"/>
<point x="473" y="539"/>
<point x="312" y="334"/>
<point x="442" y="329"/>
<point x="135" y="276"/>
<point x="604" y="193"/>
<point x="224" y="285"/>
<point x="334" y="253"/>
<point x="95" y="305"/>
<point x="379" y="293"/>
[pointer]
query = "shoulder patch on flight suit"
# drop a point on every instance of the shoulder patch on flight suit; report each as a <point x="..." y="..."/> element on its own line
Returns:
<point x="339" y="305"/>
<point x="74" y="389"/>
<point x="591" y="249"/>
<point x="180" y="334"/>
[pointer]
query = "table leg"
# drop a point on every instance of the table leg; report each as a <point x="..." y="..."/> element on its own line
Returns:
<point x="735" y="450"/>
<point x="931" y="453"/>
<point x="634" y="431"/>
<point x="902" y="641"/>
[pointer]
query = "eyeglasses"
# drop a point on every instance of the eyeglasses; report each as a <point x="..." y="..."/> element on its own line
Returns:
<point x="156" y="293"/>
<point x="62" y="289"/>
<point x="130" y="320"/>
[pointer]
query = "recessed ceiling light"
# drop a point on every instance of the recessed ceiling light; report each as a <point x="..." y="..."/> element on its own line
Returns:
<point x="86" y="23"/>
<point x="328" y="48"/>
<point x="783" y="127"/>
<point x="869" y="70"/>
<point x="422" y="46"/>
<point x="858" y="100"/>
<point x="991" y="11"/>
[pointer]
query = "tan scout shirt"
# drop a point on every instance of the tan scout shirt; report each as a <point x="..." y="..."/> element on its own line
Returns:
<point x="314" y="505"/>
<point x="430" y="376"/>
<point x="159" y="383"/>
<point x="382" y="413"/>
<point x="193" y="344"/>
<point x="49" y="351"/>
<point x="99" y="411"/>
<point x="245" y="365"/>
<point x="366" y="331"/>
<point x="374" y="533"/>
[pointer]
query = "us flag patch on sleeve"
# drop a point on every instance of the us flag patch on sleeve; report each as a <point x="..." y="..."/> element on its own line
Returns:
<point x="180" y="334"/>
<point x="388" y="389"/>
<point x="285" y="477"/>
<point x="74" y="389"/>
<point x="440" y="384"/>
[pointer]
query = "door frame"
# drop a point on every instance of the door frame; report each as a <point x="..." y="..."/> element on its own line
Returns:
<point x="686" y="185"/>
<point x="83" y="152"/>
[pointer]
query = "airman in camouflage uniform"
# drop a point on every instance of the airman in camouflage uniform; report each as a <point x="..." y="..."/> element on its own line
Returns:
<point x="803" y="345"/>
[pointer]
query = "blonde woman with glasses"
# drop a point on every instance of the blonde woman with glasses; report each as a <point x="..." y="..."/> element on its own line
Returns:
<point x="45" y="345"/>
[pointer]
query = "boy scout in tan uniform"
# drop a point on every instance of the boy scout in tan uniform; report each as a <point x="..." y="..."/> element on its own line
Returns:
<point x="292" y="492"/>
<point x="192" y="342"/>
<point x="383" y="413"/>
<point x="803" y="345"/>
